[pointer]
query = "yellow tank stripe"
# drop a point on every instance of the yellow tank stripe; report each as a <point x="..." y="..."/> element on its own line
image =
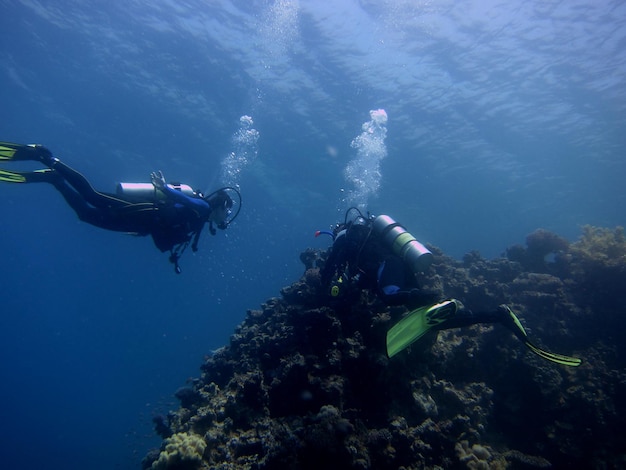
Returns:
<point x="401" y="240"/>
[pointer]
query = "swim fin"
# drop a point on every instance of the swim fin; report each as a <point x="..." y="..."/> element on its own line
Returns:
<point x="38" y="176"/>
<point x="513" y="324"/>
<point x="14" y="152"/>
<point x="417" y="323"/>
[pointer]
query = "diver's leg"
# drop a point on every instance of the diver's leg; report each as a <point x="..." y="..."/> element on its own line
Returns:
<point x="9" y="151"/>
<point x="503" y="315"/>
<point x="395" y="286"/>
<point x="16" y="152"/>
<point x="37" y="176"/>
<point x="84" y="188"/>
<point x="102" y="209"/>
<point x="53" y="177"/>
<point x="464" y="317"/>
<point x="85" y="212"/>
<point x="131" y="219"/>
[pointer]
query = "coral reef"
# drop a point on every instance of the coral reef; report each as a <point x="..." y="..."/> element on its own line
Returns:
<point x="182" y="450"/>
<point x="305" y="383"/>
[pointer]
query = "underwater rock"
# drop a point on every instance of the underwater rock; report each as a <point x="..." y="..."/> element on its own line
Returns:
<point x="306" y="384"/>
<point x="540" y="246"/>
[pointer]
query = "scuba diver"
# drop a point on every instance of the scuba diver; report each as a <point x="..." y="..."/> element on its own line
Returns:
<point x="378" y="254"/>
<point x="173" y="214"/>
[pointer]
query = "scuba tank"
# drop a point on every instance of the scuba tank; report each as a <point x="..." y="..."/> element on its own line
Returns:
<point x="402" y="243"/>
<point x="147" y="191"/>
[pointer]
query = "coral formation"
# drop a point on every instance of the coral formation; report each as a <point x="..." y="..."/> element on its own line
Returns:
<point x="306" y="384"/>
<point x="181" y="451"/>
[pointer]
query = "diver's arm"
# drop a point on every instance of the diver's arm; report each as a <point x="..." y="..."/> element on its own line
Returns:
<point x="336" y="258"/>
<point x="199" y="204"/>
<point x="412" y="298"/>
<point x="181" y="198"/>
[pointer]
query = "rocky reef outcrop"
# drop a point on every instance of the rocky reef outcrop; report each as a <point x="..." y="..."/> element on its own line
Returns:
<point x="306" y="384"/>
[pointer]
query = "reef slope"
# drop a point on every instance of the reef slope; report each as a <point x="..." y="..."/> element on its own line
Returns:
<point x="307" y="385"/>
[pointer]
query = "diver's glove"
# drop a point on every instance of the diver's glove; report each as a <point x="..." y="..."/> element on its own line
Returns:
<point x="158" y="180"/>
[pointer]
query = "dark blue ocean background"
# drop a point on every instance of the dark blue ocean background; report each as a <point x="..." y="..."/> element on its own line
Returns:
<point x="503" y="117"/>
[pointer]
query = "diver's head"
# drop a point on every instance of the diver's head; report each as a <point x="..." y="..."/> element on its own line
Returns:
<point x="221" y="204"/>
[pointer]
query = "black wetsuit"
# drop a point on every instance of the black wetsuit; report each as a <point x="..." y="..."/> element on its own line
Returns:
<point x="172" y="221"/>
<point x="365" y="262"/>
<point x="360" y="259"/>
<point x="359" y="254"/>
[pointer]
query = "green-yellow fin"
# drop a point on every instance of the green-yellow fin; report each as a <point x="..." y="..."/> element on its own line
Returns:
<point x="553" y="357"/>
<point x="7" y="151"/>
<point x="417" y="323"/>
<point x="12" y="176"/>
<point x="11" y="151"/>
<point x="517" y="323"/>
<point x="547" y="355"/>
<point x="37" y="176"/>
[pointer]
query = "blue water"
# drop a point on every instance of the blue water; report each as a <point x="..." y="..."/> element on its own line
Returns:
<point x="503" y="117"/>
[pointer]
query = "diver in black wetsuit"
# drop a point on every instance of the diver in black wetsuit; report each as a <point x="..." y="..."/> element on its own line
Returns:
<point x="378" y="254"/>
<point x="174" y="215"/>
